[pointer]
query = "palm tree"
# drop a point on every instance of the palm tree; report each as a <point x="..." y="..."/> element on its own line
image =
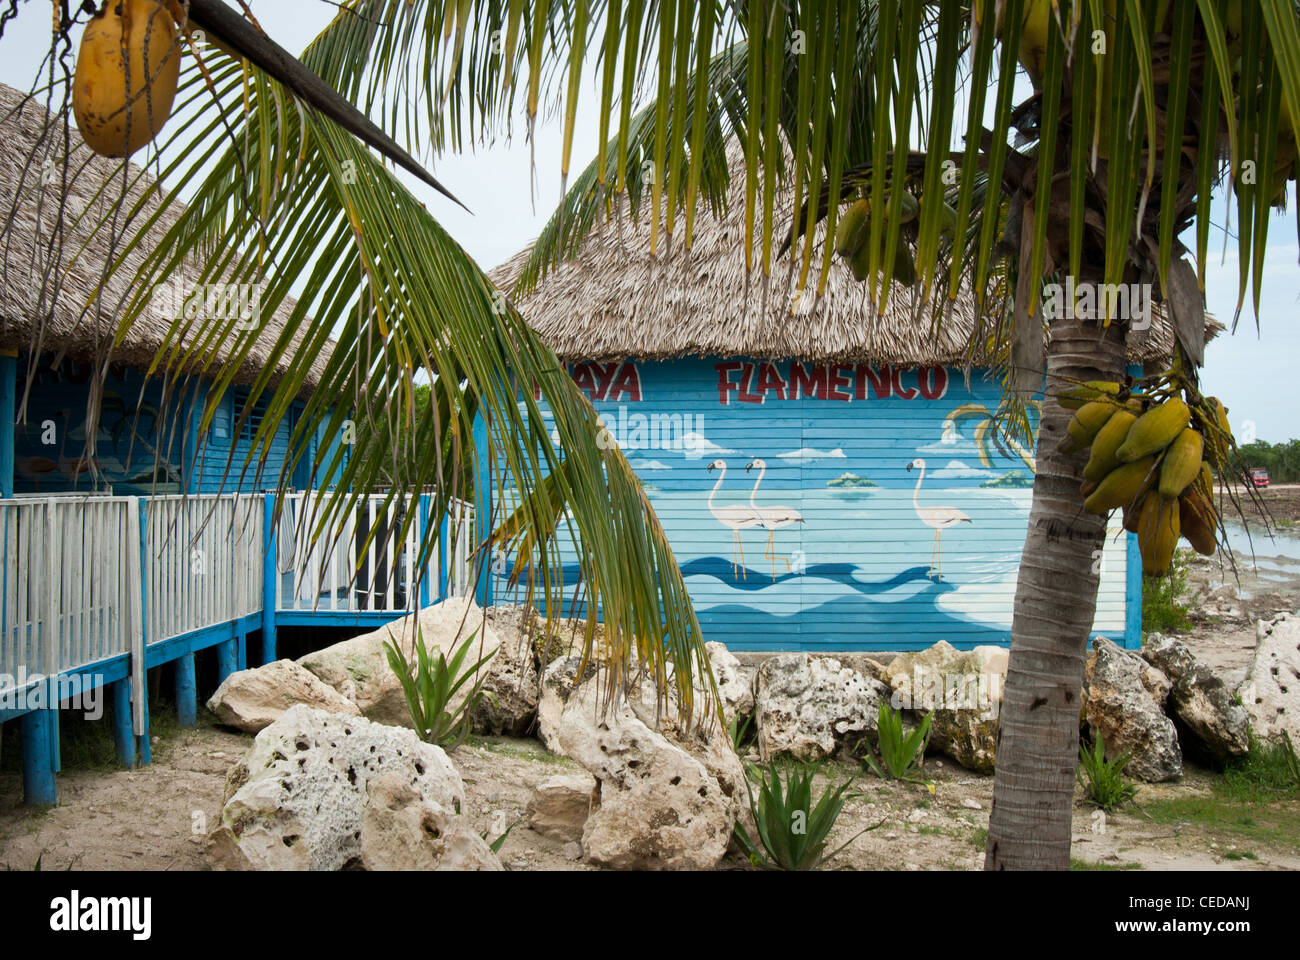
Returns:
<point x="846" y="99"/>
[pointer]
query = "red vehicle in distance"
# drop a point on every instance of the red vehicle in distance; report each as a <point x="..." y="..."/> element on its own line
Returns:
<point x="1256" y="477"/>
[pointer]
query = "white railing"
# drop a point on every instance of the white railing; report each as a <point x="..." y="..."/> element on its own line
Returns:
<point x="203" y="562"/>
<point x="83" y="579"/>
<point x="71" y="583"/>
<point x="334" y="570"/>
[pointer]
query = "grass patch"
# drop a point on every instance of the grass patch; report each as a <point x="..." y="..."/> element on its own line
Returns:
<point x="1274" y="825"/>
<point x="980" y="838"/>
<point x="1239" y="855"/>
<point x="1267" y="772"/>
<point x="1164" y="606"/>
<point x="1077" y="864"/>
<point x="510" y="748"/>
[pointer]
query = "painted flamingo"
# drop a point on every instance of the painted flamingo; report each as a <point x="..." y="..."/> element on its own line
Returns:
<point x="937" y="517"/>
<point x="737" y="516"/>
<point x="770" y="518"/>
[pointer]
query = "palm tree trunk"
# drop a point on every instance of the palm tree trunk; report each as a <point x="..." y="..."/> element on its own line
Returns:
<point x="1056" y="598"/>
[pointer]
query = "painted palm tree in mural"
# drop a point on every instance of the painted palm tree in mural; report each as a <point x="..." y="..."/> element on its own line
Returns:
<point x="990" y="436"/>
<point x="1079" y="175"/>
<point x="939" y="518"/>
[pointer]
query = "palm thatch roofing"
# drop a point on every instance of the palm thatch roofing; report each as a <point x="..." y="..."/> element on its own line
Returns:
<point x="63" y="281"/>
<point x="614" y="299"/>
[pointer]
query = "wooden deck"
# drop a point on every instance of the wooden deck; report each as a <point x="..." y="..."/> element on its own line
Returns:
<point x="95" y="591"/>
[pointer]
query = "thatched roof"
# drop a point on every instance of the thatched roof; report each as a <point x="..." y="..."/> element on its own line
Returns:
<point x="32" y="270"/>
<point x="615" y="300"/>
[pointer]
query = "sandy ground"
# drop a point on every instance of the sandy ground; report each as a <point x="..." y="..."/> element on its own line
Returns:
<point x="155" y="818"/>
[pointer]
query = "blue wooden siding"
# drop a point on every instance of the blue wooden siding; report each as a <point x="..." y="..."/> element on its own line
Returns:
<point x="146" y="444"/>
<point x="853" y="573"/>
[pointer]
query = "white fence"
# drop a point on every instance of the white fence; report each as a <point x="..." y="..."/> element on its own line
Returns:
<point x="203" y="562"/>
<point x="71" y="582"/>
<point x="333" y="570"/>
<point x="71" y="570"/>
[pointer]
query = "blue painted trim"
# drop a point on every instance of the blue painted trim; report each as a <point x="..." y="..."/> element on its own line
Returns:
<point x="482" y="510"/>
<point x="1133" y="595"/>
<point x="8" y="400"/>
<point x="269" y="566"/>
<point x="190" y="454"/>
<point x="423" y="534"/>
<point x="38" y="731"/>
<point x="338" y="618"/>
<point x="187" y="693"/>
<point x="1133" y="579"/>
<point x="122" y="738"/>
<point x="444" y="552"/>
<point x="241" y="660"/>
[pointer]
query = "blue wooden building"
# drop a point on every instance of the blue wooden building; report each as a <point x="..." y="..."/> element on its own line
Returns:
<point x="829" y="479"/>
<point x="145" y="540"/>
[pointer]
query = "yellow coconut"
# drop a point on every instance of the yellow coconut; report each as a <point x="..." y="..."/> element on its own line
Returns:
<point x="128" y="67"/>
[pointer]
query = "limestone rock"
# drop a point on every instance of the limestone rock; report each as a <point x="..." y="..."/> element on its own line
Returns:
<point x="806" y="706"/>
<point x="1209" y="718"/>
<point x="559" y="806"/>
<point x="1271" y="690"/>
<point x="1120" y="709"/>
<point x="251" y="700"/>
<point x="401" y="830"/>
<point x="963" y="690"/>
<point x="297" y="799"/>
<point x="666" y="797"/>
<point x="557" y="683"/>
<point x="735" y="685"/>
<point x="512" y="676"/>
<point x="358" y="668"/>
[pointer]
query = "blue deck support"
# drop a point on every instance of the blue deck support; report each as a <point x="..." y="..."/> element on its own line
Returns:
<point x="39" y="730"/>
<point x="227" y="658"/>
<point x="187" y="704"/>
<point x="143" y="751"/>
<point x="482" y="510"/>
<point x="269" y="567"/>
<point x="444" y="552"/>
<point x="122" y="736"/>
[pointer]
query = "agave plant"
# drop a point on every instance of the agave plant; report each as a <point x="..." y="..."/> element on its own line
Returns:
<point x="1103" y="780"/>
<point x="432" y="684"/>
<point x="792" y="824"/>
<point x="900" y="754"/>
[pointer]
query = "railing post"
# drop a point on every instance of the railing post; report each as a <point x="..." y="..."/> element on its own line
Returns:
<point x="445" y="552"/>
<point x="269" y="577"/>
<point x="227" y="658"/>
<point x="138" y="508"/>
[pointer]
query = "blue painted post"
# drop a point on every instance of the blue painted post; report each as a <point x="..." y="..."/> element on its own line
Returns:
<point x="8" y="398"/>
<point x="423" y="534"/>
<point x="144" y="751"/>
<point x="39" y="787"/>
<point x="482" y="510"/>
<point x="227" y="658"/>
<point x="241" y="657"/>
<point x="187" y="706"/>
<point x="269" y="573"/>
<point x="122" y="737"/>
<point x="1133" y="577"/>
<point x="443" y="553"/>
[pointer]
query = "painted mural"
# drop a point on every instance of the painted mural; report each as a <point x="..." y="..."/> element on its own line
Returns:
<point x="50" y="444"/>
<point x="835" y="506"/>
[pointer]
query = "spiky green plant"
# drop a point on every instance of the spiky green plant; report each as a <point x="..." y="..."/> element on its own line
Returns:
<point x="793" y="825"/>
<point x="431" y="685"/>
<point x="1102" y="779"/>
<point x="900" y="754"/>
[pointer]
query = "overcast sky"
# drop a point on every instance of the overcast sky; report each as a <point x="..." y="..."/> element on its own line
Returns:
<point x="1254" y="374"/>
